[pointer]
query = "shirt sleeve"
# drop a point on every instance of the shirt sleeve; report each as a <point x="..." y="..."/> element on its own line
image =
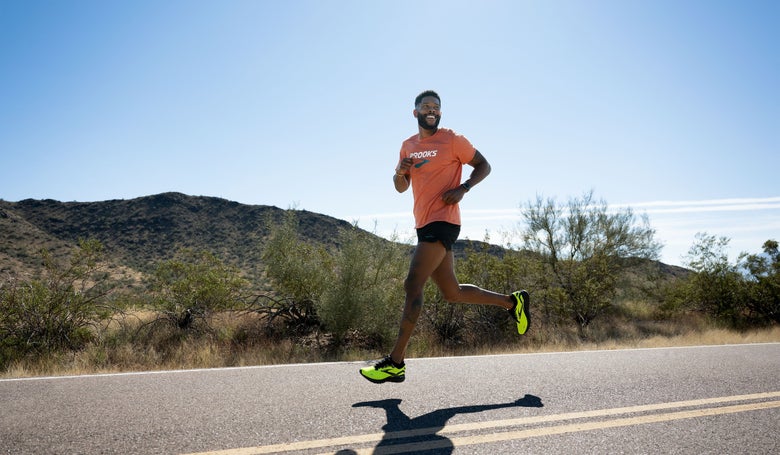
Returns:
<point x="463" y="149"/>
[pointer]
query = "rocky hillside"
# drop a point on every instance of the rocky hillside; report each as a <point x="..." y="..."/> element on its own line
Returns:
<point x="140" y="233"/>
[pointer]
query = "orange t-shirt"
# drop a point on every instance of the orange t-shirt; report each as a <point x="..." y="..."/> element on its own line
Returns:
<point x="438" y="161"/>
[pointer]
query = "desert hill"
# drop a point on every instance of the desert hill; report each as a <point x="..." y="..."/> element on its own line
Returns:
<point x="140" y="233"/>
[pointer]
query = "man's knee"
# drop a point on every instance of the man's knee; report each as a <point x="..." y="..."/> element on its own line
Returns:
<point x="414" y="292"/>
<point x="413" y="284"/>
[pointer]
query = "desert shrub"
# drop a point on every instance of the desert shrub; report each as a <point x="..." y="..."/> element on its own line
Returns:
<point x="738" y="294"/>
<point x="60" y="310"/>
<point x="763" y="275"/>
<point x="193" y="287"/>
<point x="355" y="288"/>
<point x="299" y="273"/>
<point x="716" y="288"/>
<point x="509" y="271"/>
<point x="447" y="322"/>
<point x="582" y="246"/>
<point x="367" y="289"/>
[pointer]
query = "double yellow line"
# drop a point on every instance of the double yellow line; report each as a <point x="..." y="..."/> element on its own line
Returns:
<point x="704" y="407"/>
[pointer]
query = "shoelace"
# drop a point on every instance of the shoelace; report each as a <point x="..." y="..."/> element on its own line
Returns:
<point x="384" y="363"/>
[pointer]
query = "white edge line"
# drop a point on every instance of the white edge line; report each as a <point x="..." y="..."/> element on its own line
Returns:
<point x="355" y="362"/>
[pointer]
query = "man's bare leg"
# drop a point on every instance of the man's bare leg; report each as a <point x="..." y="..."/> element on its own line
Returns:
<point x="427" y="257"/>
<point x="452" y="291"/>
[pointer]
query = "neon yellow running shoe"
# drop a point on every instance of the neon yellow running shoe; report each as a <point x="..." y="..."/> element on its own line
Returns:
<point x="384" y="370"/>
<point x="521" y="312"/>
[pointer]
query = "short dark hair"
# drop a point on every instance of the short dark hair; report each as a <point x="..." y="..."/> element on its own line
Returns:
<point x="422" y="95"/>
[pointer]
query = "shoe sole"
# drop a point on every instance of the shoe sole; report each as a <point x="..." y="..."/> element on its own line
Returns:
<point x="401" y="378"/>
<point x="525" y="313"/>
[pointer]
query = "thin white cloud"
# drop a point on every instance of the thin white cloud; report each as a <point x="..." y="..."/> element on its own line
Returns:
<point x="727" y="202"/>
<point x="748" y="222"/>
<point x="714" y="205"/>
<point x="649" y="207"/>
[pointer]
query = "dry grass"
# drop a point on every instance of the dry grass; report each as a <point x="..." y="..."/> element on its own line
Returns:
<point x="241" y="340"/>
<point x="714" y="337"/>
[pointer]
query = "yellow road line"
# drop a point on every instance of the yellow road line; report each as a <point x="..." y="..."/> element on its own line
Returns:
<point x="569" y="428"/>
<point x="376" y="437"/>
<point x="606" y="412"/>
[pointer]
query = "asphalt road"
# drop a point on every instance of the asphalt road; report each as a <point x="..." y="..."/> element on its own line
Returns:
<point x="723" y="399"/>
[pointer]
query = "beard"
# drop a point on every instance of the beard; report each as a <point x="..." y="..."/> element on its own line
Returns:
<point x="423" y="122"/>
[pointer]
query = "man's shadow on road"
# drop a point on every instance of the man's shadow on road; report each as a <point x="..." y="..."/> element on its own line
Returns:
<point x="420" y="434"/>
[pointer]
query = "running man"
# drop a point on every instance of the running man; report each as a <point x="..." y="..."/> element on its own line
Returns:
<point x="431" y="162"/>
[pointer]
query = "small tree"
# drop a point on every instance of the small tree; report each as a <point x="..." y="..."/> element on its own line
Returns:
<point x="367" y="288"/>
<point x="300" y="273"/>
<point x="195" y="286"/>
<point x="764" y="287"/>
<point x="359" y="286"/>
<point x="60" y="310"/>
<point x="582" y="244"/>
<point x="716" y="287"/>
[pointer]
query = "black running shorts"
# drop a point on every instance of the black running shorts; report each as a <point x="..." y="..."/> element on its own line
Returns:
<point x="439" y="231"/>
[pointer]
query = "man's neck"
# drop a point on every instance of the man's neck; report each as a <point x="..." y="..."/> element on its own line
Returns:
<point x="426" y="133"/>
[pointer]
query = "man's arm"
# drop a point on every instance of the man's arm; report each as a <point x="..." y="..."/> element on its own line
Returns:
<point x="478" y="174"/>
<point x="401" y="176"/>
<point x="401" y="182"/>
<point x="480" y="171"/>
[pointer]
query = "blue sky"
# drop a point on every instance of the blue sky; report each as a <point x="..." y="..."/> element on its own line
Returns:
<point x="669" y="107"/>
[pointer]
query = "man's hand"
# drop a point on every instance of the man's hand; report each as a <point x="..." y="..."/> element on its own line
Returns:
<point x="404" y="165"/>
<point x="454" y="195"/>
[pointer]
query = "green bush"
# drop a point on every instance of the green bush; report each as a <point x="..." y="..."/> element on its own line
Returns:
<point x="763" y="294"/>
<point x="195" y="286"/>
<point x="60" y="310"/>
<point x="357" y="288"/>
<point x="299" y="272"/>
<point x="582" y="246"/>
<point x="763" y="282"/>
<point x="716" y="287"/>
<point x="366" y="293"/>
<point x="510" y="271"/>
